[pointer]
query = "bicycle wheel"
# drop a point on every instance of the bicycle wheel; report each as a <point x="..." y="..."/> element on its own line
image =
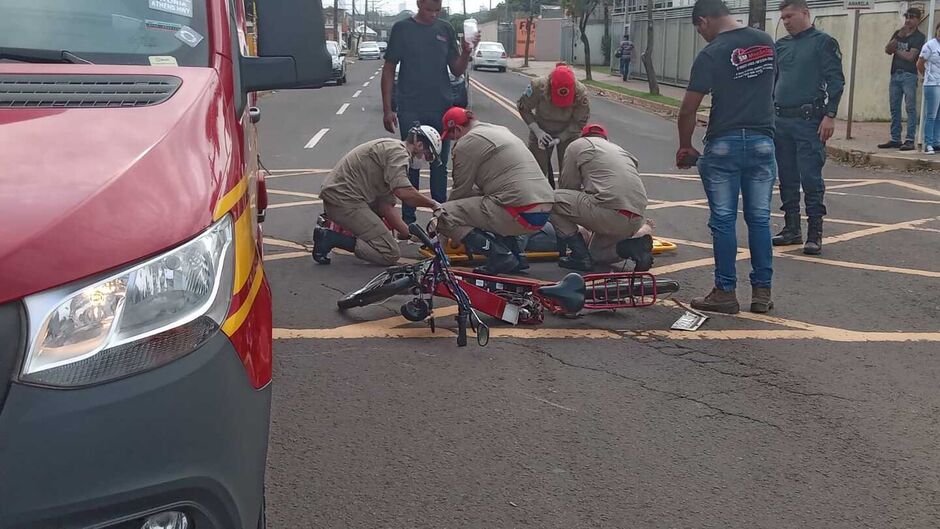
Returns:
<point x="382" y="287"/>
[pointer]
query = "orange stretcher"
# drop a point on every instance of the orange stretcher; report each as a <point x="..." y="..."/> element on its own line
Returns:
<point x="458" y="254"/>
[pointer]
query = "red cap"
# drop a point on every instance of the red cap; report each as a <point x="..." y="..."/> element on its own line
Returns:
<point x="593" y="129"/>
<point x="562" y="85"/>
<point x="454" y="117"/>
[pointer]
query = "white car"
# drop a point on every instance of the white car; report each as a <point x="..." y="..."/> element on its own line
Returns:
<point x="490" y="55"/>
<point x="369" y="50"/>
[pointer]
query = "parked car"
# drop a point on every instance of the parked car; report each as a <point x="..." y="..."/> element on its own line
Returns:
<point x="135" y="313"/>
<point x="460" y="87"/>
<point x="490" y="55"/>
<point x="339" y="61"/>
<point x="382" y="47"/>
<point x="369" y="50"/>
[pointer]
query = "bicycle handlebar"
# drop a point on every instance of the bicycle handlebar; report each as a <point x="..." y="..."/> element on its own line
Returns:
<point x="419" y="232"/>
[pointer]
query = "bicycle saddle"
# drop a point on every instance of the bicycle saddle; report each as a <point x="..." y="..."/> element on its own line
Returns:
<point x="569" y="293"/>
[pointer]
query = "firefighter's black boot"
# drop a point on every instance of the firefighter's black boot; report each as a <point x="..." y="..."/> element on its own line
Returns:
<point x="325" y="240"/>
<point x="499" y="259"/>
<point x="515" y="246"/>
<point x="814" y="234"/>
<point x="791" y="232"/>
<point x="580" y="258"/>
<point x="640" y="250"/>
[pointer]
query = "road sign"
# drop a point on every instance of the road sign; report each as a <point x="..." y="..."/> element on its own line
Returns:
<point x="859" y="4"/>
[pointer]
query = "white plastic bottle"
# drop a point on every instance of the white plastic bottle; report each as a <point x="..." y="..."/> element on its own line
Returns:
<point x="470" y="30"/>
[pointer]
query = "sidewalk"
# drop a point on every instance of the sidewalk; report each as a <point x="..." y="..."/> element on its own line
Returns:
<point x="860" y="150"/>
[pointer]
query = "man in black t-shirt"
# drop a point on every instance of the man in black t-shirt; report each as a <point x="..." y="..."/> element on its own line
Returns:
<point x="904" y="47"/>
<point x="425" y="47"/>
<point x="737" y="68"/>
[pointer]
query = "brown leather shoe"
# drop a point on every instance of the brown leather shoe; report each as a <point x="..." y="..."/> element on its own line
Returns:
<point x="718" y="300"/>
<point x="761" y="301"/>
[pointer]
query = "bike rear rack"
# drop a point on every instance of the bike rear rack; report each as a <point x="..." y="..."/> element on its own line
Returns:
<point x="619" y="290"/>
<point x="607" y="291"/>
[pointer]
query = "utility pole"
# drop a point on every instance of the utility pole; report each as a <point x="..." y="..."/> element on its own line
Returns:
<point x="757" y="14"/>
<point x="336" y="22"/>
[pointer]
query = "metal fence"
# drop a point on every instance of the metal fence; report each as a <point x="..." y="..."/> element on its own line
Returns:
<point x="506" y="35"/>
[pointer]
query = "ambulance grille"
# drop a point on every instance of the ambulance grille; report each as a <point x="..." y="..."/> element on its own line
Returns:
<point x="85" y="91"/>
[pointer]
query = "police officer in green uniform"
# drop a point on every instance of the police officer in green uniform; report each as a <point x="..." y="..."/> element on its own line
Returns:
<point x="809" y="86"/>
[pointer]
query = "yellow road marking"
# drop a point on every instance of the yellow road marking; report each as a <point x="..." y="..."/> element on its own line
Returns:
<point x="860" y="266"/>
<point x="496" y="97"/>
<point x="676" y="267"/>
<point x="295" y="204"/>
<point x="303" y="172"/>
<point x="778" y="253"/>
<point x="678" y="203"/>
<point x="286" y="244"/>
<point x="781" y="215"/>
<point x="884" y="228"/>
<point x="286" y="255"/>
<point x="915" y="187"/>
<point x="293" y="193"/>
<point x="842" y="336"/>
<point x="862" y="195"/>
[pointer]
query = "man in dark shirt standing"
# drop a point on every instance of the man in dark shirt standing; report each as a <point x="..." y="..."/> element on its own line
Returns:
<point x="625" y="53"/>
<point x="904" y="47"/>
<point x="425" y="47"/>
<point x="737" y="68"/>
<point x="809" y="87"/>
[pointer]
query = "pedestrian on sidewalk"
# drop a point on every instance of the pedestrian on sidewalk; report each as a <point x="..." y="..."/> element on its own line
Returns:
<point x="929" y="67"/>
<point x="737" y="68"/>
<point x="904" y="47"/>
<point x="425" y="46"/>
<point x="625" y="54"/>
<point x="555" y="108"/>
<point x="809" y="87"/>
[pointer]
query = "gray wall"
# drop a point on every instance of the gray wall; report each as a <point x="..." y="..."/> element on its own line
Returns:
<point x="595" y="33"/>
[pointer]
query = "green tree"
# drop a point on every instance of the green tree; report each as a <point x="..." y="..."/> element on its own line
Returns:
<point x="648" y="52"/>
<point x="581" y="11"/>
<point x="457" y="21"/>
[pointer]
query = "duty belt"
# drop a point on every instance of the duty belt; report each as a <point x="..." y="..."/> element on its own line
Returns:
<point x="808" y="111"/>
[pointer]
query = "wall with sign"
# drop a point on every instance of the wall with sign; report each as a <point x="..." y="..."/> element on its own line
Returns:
<point x="520" y="24"/>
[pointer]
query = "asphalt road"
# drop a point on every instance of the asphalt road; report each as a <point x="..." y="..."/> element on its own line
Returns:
<point x="822" y="414"/>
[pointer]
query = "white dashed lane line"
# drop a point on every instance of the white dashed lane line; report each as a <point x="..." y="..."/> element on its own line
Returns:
<point x="365" y="84"/>
<point x="316" y="139"/>
<point x="357" y="94"/>
<point x="342" y="109"/>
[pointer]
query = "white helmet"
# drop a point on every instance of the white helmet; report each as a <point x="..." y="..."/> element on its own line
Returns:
<point x="429" y="136"/>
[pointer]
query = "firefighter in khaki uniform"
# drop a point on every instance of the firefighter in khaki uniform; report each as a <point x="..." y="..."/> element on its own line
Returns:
<point x="600" y="189"/>
<point x="498" y="190"/>
<point x="555" y="108"/>
<point x="360" y="192"/>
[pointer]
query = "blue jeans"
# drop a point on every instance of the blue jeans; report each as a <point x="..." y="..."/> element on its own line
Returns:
<point x="931" y="115"/>
<point x="800" y="159"/>
<point x="743" y="163"/>
<point x="625" y="67"/>
<point x="903" y="85"/>
<point x="406" y="120"/>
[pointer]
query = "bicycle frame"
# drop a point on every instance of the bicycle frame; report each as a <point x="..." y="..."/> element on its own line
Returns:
<point x="519" y="300"/>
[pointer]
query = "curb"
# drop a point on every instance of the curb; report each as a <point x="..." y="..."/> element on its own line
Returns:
<point x="858" y="158"/>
